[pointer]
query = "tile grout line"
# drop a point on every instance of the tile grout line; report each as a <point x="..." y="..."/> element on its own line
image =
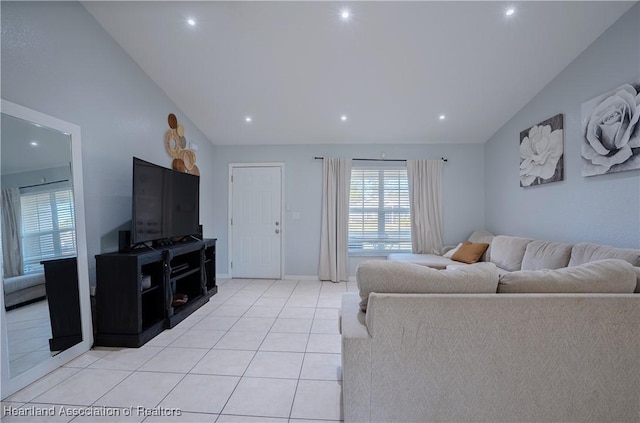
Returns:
<point x="252" y="358"/>
<point x="295" y="392"/>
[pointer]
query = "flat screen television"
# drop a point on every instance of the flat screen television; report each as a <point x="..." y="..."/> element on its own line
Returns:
<point x="166" y="203"/>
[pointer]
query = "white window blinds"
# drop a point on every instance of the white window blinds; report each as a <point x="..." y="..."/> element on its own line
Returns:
<point x="48" y="227"/>
<point x="379" y="215"/>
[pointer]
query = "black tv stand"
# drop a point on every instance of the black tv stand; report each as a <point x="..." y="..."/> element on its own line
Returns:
<point x="130" y="313"/>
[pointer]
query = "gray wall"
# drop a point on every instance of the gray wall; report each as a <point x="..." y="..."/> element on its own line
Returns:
<point x="36" y="177"/>
<point x="603" y="209"/>
<point x="58" y="60"/>
<point x="463" y="192"/>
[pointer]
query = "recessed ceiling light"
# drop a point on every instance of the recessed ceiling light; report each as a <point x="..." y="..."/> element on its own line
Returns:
<point x="509" y="12"/>
<point x="248" y="119"/>
<point x="345" y="14"/>
<point x="442" y="117"/>
<point x="191" y="21"/>
<point x="34" y="143"/>
<point x="343" y="118"/>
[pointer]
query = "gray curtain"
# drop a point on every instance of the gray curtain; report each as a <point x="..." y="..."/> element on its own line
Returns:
<point x="11" y="233"/>
<point x="334" y="236"/>
<point x="425" y="196"/>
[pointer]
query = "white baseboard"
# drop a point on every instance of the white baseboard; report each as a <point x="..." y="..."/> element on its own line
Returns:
<point x="288" y="277"/>
<point x="301" y="277"/>
<point x="310" y="278"/>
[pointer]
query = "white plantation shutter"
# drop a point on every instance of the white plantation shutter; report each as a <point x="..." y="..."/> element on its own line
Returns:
<point x="379" y="214"/>
<point x="48" y="227"/>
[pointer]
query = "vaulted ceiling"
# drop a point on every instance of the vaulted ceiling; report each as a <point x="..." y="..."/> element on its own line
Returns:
<point x="385" y="74"/>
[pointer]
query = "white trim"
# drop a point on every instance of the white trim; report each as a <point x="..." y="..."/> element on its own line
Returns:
<point x="301" y="277"/>
<point x="11" y="385"/>
<point x="311" y="278"/>
<point x="223" y="276"/>
<point x="230" y="212"/>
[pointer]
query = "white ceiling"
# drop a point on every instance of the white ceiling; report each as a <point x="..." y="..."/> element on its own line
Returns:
<point x="392" y="69"/>
<point x="53" y="148"/>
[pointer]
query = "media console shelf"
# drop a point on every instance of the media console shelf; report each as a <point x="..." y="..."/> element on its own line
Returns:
<point x="138" y="293"/>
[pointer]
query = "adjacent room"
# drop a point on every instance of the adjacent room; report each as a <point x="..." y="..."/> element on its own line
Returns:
<point x="296" y="211"/>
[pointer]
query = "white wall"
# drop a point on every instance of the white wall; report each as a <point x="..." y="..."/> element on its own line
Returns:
<point x="58" y="60"/>
<point x="603" y="209"/>
<point x="463" y="192"/>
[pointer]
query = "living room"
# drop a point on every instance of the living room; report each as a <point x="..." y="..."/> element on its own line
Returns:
<point x="57" y="59"/>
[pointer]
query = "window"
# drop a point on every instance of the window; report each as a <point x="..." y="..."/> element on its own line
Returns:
<point x="379" y="215"/>
<point x="48" y="226"/>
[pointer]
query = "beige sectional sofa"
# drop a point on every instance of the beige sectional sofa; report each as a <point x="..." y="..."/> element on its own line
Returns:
<point x="23" y="289"/>
<point x="510" y="254"/>
<point x="457" y="345"/>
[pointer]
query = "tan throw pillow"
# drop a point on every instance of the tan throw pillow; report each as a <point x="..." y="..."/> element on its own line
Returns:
<point x="470" y="252"/>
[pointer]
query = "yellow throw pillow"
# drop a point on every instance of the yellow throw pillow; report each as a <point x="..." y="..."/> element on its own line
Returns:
<point x="470" y="252"/>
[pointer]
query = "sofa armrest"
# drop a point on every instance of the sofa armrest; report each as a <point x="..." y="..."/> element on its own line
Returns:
<point x="356" y="361"/>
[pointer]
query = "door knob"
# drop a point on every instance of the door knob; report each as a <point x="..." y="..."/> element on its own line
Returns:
<point x="277" y="231"/>
<point x="277" y="223"/>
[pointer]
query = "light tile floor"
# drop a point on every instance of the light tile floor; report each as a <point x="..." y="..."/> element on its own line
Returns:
<point x="258" y="351"/>
<point x="28" y="333"/>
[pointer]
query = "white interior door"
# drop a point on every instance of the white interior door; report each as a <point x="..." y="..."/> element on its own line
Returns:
<point x="256" y="222"/>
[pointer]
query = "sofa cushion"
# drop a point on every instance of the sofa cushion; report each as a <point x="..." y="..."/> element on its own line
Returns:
<point x="546" y="255"/>
<point x="483" y="236"/>
<point x="17" y="283"/>
<point x="408" y="278"/>
<point x="601" y="276"/>
<point x="585" y="252"/>
<point x="430" y="260"/>
<point x="507" y="252"/>
<point x="470" y="252"/>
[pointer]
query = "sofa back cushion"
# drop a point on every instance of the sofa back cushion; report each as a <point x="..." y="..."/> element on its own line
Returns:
<point x="507" y="252"/>
<point x="546" y="255"/>
<point x="585" y="252"/>
<point x="407" y="278"/>
<point x="601" y="276"/>
<point x="483" y="236"/>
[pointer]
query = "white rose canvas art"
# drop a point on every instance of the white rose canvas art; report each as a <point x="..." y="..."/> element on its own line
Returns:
<point x="611" y="131"/>
<point x="542" y="152"/>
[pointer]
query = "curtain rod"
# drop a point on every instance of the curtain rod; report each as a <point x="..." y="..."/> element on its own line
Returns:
<point x="381" y="160"/>
<point x="44" y="183"/>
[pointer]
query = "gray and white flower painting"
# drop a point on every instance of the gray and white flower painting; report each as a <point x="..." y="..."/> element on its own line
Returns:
<point x="611" y="131"/>
<point x="541" y="152"/>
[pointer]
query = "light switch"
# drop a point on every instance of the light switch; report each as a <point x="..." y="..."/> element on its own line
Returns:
<point x="295" y="215"/>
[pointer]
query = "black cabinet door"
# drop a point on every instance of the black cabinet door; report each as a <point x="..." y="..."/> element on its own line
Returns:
<point x="61" y="282"/>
